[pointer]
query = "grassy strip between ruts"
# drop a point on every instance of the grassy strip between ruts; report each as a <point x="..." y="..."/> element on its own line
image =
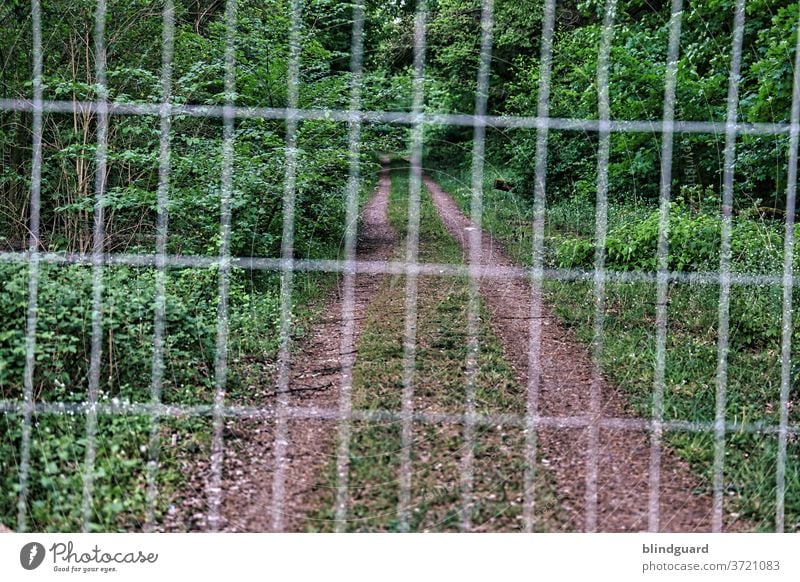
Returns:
<point x="629" y="341"/>
<point x="439" y="386"/>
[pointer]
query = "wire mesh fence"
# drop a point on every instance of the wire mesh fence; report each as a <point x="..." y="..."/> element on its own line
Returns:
<point x="280" y="410"/>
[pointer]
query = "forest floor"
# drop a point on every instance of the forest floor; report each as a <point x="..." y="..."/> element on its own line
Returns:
<point x="453" y="477"/>
<point x="441" y="494"/>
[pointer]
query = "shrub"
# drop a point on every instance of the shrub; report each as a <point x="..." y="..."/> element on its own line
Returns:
<point x="63" y="335"/>
<point x="694" y="243"/>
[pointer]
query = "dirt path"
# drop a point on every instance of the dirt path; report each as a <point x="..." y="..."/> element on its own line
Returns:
<point x="445" y="492"/>
<point x="314" y="382"/>
<point x="623" y="456"/>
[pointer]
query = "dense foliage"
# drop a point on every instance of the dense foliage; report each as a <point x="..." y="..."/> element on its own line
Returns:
<point x="637" y="71"/>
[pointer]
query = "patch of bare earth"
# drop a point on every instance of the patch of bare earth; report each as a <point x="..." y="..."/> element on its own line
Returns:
<point x="623" y="456"/>
<point x="315" y="379"/>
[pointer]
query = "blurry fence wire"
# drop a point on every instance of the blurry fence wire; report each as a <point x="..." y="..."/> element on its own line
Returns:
<point x="281" y="411"/>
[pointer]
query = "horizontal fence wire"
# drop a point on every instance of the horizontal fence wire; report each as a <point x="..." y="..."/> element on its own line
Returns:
<point x="146" y="260"/>
<point x="406" y="118"/>
<point x="378" y="415"/>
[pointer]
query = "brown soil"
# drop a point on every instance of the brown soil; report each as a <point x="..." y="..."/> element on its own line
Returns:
<point x="315" y="379"/>
<point x="623" y="456"/>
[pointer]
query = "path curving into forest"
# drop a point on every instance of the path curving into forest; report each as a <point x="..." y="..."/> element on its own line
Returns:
<point x="566" y="377"/>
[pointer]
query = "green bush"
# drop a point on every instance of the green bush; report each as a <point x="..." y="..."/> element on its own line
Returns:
<point x="694" y="243"/>
<point x="55" y="484"/>
<point x="63" y="334"/>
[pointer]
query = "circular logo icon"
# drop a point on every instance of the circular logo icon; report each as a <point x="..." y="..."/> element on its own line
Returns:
<point x="31" y="555"/>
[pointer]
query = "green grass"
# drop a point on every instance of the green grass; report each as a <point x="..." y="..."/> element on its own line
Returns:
<point x="439" y="386"/>
<point x="629" y="348"/>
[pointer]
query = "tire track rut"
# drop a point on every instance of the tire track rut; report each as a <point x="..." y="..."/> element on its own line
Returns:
<point x="566" y="376"/>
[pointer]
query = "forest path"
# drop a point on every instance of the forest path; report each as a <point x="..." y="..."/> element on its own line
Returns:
<point x="315" y="380"/>
<point x="623" y="456"/>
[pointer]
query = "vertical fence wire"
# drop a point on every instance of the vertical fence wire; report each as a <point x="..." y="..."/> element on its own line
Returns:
<point x="411" y="268"/>
<point x="601" y="227"/>
<point x="98" y="243"/>
<point x="475" y="251"/>
<point x="159" y="317"/>
<point x="788" y="283"/>
<point x="33" y="269"/>
<point x="226" y="191"/>
<point x="281" y="442"/>
<point x="662" y="277"/>
<point x="537" y="270"/>
<point x="347" y="349"/>
<point x="725" y="265"/>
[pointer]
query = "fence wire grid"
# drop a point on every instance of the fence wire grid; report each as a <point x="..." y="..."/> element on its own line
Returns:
<point x="287" y="265"/>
